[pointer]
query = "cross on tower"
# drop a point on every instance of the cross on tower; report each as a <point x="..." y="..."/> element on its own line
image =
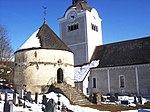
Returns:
<point x="44" y="13"/>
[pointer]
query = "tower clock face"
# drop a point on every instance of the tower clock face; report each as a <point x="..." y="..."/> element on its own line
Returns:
<point x="72" y="16"/>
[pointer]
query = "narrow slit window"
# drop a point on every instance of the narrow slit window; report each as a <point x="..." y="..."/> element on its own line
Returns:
<point x="94" y="82"/>
<point x="121" y="81"/>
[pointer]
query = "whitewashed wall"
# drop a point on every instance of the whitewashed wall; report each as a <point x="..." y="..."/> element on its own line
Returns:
<point x="37" y="68"/>
<point x="137" y="78"/>
<point x="83" y="40"/>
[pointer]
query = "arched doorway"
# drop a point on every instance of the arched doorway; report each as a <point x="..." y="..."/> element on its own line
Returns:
<point x="60" y="76"/>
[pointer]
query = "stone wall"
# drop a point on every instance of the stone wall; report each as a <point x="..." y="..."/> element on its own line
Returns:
<point x="79" y="85"/>
<point x="38" y="68"/>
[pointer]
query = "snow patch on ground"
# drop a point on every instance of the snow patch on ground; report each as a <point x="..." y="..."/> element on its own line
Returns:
<point x="38" y="107"/>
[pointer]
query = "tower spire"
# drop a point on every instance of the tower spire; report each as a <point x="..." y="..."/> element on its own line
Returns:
<point x="77" y="1"/>
<point x="44" y="13"/>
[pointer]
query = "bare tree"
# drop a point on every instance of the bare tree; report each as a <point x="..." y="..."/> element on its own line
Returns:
<point x="6" y="68"/>
<point x="5" y="48"/>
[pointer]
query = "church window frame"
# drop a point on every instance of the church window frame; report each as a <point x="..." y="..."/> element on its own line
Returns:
<point x="94" y="27"/>
<point x="60" y="75"/>
<point x="121" y="81"/>
<point x="94" y="82"/>
<point x="72" y="27"/>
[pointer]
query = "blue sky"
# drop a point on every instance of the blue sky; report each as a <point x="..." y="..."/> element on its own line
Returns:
<point x="121" y="19"/>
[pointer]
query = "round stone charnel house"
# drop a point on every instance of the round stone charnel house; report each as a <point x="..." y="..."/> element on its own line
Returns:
<point x="43" y="60"/>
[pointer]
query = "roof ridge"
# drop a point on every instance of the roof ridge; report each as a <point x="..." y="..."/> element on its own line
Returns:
<point x="129" y="52"/>
<point x="125" y="41"/>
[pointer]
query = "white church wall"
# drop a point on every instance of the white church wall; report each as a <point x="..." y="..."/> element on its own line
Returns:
<point x="94" y="37"/>
<point x="36" y="68"/>
<point x="76" y="40"/>
<point x="101" y="81"/>
<point x="143" y="73"/>
<point x="82" y="75"/>
<point x="85" y="85"/>
<point x="83" y="40"/>
<point x="137" y="80"/>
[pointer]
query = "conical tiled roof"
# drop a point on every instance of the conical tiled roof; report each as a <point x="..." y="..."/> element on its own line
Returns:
<point x="44" y="38"/>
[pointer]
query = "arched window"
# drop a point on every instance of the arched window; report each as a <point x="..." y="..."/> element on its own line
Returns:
<point x="60" y="76"/>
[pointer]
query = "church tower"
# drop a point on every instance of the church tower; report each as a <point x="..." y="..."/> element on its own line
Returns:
<point x="80" y="29"/>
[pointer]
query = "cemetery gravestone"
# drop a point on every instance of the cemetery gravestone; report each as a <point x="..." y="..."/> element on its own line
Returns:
<point x="8" y="107"/>
<point x="14" y="98"/>
<point x="36" y="98"/>
<point x="29" y="96"/>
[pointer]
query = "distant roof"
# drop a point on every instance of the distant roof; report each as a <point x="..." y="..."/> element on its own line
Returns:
<point x="129" y="52"/>
<point x="44" y="38"/>
<point x="80" y="5"/>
